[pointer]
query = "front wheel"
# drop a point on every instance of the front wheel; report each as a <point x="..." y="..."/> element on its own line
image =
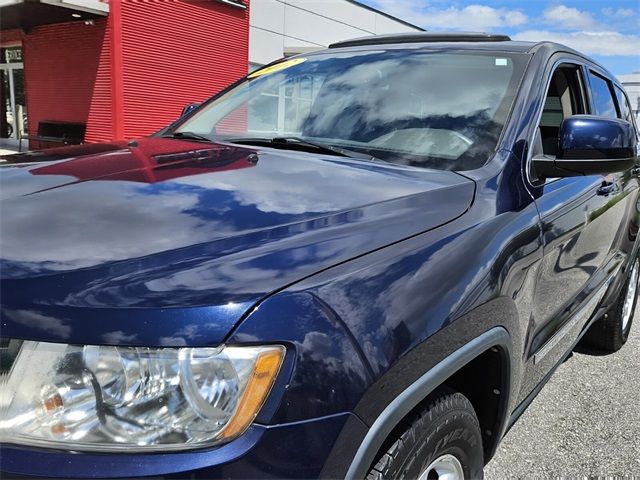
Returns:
<point x="610" y="332"/>
<point x="441" y="441"/>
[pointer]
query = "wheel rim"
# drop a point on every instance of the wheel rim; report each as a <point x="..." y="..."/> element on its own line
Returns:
<point x="630" y="296"/>
<point x="446" y="467"/>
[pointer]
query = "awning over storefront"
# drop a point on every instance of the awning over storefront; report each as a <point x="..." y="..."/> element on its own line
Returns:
<point x="26" y="14"/>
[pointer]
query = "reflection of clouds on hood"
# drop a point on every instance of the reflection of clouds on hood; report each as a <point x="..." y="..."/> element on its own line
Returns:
<point x="95" y="222"/>
<point x="98" y="222"/>
<point x="226" y="271"/>
<point x="39" y="321"/>
<point x="117" y="337"/>
<point x="295" y="186"/>
<point x="186" y="335"/>
<point x="204" y="277"/>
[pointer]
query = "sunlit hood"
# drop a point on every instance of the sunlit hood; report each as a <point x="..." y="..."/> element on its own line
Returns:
<point x="166" y="223"/>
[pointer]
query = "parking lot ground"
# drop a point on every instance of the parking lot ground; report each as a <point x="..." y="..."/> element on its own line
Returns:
<point x="585" y="421"/>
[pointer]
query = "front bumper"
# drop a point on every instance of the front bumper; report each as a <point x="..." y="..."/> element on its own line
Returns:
<point x="294" y="450"/>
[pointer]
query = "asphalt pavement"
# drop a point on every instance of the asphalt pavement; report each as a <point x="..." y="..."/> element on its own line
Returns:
<point x="585" y="422"/>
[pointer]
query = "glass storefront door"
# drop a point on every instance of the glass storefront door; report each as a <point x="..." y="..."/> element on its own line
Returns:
<point x="13" y="122"/>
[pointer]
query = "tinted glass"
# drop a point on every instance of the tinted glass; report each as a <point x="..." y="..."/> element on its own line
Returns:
<point x="623" y="104"/>
<point x="602" y="99"/>
<point x="410" y="107"/>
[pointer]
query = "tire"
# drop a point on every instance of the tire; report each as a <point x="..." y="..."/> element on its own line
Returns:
<point x="448" y="426"/>
<point x="610" y="333"/>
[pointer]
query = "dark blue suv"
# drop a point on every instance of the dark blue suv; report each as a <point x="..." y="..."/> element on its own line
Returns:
<point x="360" y="262"/>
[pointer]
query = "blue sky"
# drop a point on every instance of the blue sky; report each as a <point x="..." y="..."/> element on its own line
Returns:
<point x="607" y="30"/>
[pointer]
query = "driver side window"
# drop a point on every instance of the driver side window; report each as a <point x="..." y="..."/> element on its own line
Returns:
<point x="564" y="98"/>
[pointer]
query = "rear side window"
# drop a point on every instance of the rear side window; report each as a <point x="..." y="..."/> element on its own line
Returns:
<point x="602" y="96"/>
<point x="623" y="104"/>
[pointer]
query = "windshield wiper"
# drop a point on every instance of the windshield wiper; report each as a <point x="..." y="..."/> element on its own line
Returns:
<point x="301" y="142"/>
<point x="188" y="136"/>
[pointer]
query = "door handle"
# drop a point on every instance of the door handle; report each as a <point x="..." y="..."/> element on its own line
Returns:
<point x="635" y="171"/>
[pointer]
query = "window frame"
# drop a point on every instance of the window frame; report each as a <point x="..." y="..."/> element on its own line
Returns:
<point x="633" y="121"/>
<point x="619" y="88"/>
<point x="591" y="71"/>
<point x="589" y="66"/>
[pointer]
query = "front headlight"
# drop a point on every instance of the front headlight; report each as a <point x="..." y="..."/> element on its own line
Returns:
<point x="105" y="398"/>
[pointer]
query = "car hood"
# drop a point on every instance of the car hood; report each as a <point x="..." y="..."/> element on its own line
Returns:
<point x="159" y="230"/>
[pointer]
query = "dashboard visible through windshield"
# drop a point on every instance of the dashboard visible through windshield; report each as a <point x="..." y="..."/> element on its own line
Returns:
<point x="404" y="106"/>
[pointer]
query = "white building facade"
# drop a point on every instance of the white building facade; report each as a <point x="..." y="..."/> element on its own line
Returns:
<point x="631" y="84"/>
<point x="279" y="28"/>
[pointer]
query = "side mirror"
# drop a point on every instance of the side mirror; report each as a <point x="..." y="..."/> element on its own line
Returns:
<point x="188" y="108"/>
<point x="590" y="145"/>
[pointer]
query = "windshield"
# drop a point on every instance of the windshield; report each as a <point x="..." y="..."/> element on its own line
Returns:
<point x="410" y="107"/>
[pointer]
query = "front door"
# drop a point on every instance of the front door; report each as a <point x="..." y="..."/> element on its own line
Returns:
<point x="581" y="218"/>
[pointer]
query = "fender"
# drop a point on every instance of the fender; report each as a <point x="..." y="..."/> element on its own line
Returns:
<point x="408" y="399"/>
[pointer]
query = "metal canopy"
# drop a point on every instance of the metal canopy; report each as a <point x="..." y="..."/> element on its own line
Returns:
<point x="26" y="14"/>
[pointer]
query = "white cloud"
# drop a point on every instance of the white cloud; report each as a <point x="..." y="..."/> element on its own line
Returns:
<point x="474" y="17"/>
<point x="625" y="12"/>
<point x="621" y="12"/>
<point x="568" y="17"/>
<point x="592" y="43"/>
<point x="471" y="17"/>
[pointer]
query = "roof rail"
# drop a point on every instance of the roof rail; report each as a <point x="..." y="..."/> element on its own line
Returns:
<point x="422" y="37"/>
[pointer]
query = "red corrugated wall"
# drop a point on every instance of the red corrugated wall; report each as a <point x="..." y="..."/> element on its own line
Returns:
<point x="8" y="37"/>
<point x="100" y="117"/>
<point x="65" y="76"/>
<point x="176" y="52"/>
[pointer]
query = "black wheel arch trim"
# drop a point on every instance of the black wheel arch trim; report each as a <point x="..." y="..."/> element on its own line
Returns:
<point x="415" y="393"/>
